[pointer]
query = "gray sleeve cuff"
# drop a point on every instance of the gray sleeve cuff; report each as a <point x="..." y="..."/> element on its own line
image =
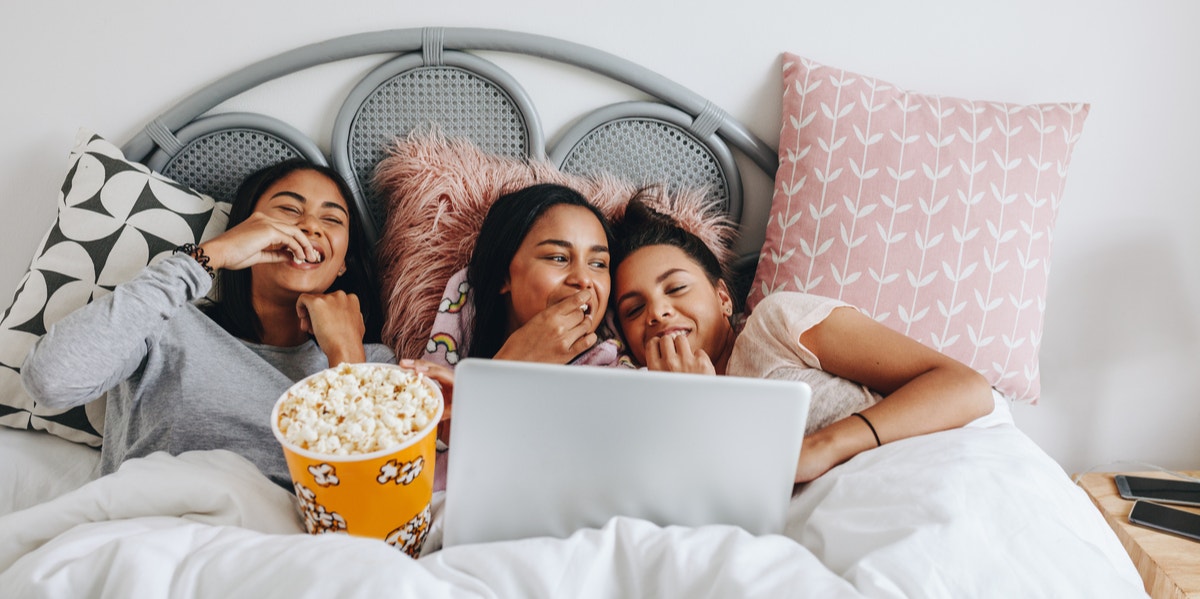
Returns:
<point x="186" y="268"/>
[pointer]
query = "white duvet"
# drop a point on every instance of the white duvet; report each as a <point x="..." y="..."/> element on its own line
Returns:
<point x="974" y="512"/>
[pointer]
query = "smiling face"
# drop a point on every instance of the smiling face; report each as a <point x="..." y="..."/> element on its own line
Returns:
<point x="564" y="252"/>
<point x="312" y="202"/>
<point x="661" y="290"/>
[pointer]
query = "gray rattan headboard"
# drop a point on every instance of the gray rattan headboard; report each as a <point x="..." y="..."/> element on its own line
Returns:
<point x="428" y="77"/>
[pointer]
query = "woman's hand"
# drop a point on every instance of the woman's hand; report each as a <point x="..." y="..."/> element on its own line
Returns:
<point x="444" y="377"/>
<point x="336" y="321"/>
<point x="259" y="238"/>
<point x="831" y="446"/>
<point x="441" y="375"/>
<point x="674" y="353"/>
<point x="555" y="335"/>
<point x="813" y="462"/>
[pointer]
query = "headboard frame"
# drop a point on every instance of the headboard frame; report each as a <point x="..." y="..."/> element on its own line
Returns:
<point x="464" y="95"/>
<point x="653" y="142"/>
<point x="685" y="139"/>
<point x="207" y="153"/>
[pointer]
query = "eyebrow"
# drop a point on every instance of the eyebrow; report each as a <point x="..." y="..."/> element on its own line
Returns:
<point x="304" y="200"/>
<point x="658" y="280"/>
<point x="567" y="244"/>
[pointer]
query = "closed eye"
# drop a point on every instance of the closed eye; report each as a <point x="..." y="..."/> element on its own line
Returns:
<point x="632" y="311"/>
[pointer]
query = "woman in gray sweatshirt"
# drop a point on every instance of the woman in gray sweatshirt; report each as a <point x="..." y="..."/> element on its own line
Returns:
<point x="296" y="293"/>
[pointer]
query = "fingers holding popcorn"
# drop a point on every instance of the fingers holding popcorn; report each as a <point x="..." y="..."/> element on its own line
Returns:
<point x="439" y="374"/>
<point x="260" y="238"/>
<point x="558" y="333"/>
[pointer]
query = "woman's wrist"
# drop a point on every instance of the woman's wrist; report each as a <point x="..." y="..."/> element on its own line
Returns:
<point x="839" y="441"/>
<point x="200" y="256"/>
<point x="349" y="355"/>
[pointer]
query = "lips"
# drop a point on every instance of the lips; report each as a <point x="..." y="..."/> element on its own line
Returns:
<point x="672" y="330"/>
<point x="305" y="263"/>
<point x="586" y="307"/>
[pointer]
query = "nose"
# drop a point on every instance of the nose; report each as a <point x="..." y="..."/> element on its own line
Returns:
<point x="579" y="277"/>
<point x="310" y="224"/>
<point x="658" y="309"/>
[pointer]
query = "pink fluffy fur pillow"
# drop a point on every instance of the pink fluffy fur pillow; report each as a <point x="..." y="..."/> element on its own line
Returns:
<point x="438" y="191"/>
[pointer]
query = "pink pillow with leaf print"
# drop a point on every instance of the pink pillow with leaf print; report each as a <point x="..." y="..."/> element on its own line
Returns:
<point x="933" y="214"/>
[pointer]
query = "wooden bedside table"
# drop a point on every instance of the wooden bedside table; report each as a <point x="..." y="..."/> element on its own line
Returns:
<point x="1169" y="565"/>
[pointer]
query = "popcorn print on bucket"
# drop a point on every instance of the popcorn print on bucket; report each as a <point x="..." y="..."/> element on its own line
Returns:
<point x="316" y="518"/>
<point x="325" y="475"/>
<point x="402" y="474"/>
<point x="411" y="537"/>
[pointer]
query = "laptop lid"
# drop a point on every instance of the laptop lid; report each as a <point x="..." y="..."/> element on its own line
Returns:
<point x="544" y="450"/>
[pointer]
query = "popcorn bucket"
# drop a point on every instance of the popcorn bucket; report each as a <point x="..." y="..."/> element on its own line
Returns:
<point x="384" y="494"/>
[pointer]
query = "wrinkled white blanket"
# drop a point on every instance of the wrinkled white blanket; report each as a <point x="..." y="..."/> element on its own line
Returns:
<point x="965" y="513"/>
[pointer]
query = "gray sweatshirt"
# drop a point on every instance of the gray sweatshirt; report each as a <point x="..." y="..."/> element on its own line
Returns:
<point x="176" y="381"/>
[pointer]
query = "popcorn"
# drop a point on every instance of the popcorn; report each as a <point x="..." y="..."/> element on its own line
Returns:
<point x="358" y="408"/>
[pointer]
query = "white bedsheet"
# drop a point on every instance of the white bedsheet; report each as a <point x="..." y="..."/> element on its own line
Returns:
<point x="963" y="513"/>
<point x="36" y="467"/>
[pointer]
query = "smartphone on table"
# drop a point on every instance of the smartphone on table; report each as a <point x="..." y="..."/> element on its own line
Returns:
<point x="1167" y="519"/>
<point x="1163" y="490"/>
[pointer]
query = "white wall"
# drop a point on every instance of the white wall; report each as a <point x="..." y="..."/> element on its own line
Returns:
<point x="1122" y="341"/>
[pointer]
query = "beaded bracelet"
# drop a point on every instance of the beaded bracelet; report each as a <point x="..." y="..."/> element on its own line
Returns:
<point x="197" y="254"/>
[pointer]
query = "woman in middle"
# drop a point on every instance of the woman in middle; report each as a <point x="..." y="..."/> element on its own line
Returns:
<point x="536" y="288"/>
<point x="539" y="277"/>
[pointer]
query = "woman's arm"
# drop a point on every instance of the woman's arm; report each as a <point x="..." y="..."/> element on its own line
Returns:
<point x="101" y="344"/>
<point x="923" y="390"/>
<point x="336" y="321"/>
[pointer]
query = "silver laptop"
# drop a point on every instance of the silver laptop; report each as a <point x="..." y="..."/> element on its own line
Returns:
<point x="545" y="450"/>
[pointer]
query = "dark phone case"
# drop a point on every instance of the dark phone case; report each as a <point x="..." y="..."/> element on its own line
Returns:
<point x="1184" y="496"/>
<point x="1167" y="519"/>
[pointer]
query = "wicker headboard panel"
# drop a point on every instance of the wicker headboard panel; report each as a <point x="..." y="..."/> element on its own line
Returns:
<point x="429" y="78"/>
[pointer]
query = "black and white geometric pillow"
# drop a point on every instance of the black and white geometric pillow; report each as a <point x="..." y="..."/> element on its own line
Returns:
<point x="114" y="218"/>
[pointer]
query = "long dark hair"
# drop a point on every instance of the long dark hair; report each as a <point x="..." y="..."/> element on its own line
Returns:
<point x="233" y="308"/>
<point x="507" y="223"/>
<point x="644" y="226"/>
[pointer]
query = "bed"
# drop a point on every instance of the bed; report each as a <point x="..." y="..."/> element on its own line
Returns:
<point x="977" y="511"/>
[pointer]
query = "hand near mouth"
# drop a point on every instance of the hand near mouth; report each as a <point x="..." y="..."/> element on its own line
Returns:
<point x="299" y="260"/>
<point x="557" y="334"/>
<point x="260" y="238"/>
<point x="673" y="352"/>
